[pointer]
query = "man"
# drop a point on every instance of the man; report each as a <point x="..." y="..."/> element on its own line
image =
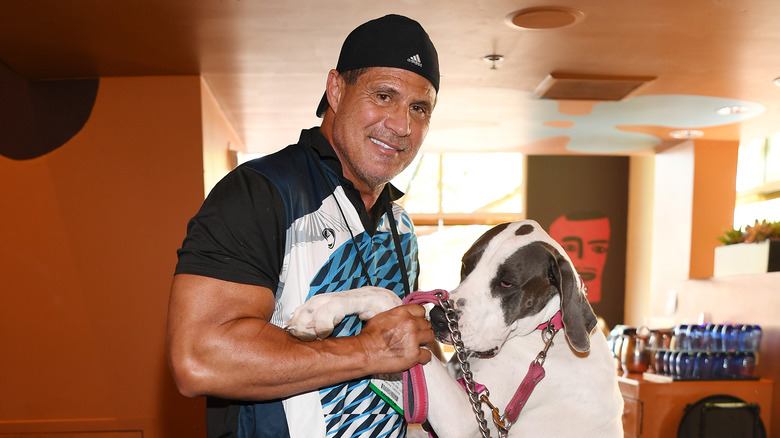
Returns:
<point x="313" y="218"/>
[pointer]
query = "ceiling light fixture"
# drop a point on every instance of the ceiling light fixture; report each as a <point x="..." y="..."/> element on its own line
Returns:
<point x="495" y="59"/>
<point x="729" y="110"/>
<point x="686" y="133"/>
<point x="777" y="82"/>
<point x="544" y="17"/>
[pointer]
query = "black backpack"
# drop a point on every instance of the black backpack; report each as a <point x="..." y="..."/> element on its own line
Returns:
<point x="721" y="416"/>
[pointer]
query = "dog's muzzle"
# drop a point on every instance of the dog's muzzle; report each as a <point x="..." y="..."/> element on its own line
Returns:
<point x="441" y="328"/>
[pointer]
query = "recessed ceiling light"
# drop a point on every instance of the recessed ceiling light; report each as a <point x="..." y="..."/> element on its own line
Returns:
<point x="777" y="82"/>
<point x="544" y="17"/>
<point x="686" y="133"/>
<point x="728" y="110"/>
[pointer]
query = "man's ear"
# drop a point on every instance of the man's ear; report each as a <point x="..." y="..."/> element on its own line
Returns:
<point x="333" y="89"/>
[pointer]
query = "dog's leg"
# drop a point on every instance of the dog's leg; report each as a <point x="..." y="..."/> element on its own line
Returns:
<point x="316" y="318"/>
<point x="449" y="410"/>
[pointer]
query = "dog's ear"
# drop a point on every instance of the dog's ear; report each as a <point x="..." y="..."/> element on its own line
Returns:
<point x="578" y="317"/>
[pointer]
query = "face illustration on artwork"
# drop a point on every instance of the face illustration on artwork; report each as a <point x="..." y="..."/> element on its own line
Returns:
<point x="586" y="241"/>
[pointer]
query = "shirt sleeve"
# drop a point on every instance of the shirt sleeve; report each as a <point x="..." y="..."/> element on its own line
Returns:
<point x="238" y="233"/>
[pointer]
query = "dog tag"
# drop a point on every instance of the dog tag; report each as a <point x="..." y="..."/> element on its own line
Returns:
<point x="390" y="388"/>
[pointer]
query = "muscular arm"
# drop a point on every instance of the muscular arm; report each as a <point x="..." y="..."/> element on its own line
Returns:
<point x="221" y="343"/>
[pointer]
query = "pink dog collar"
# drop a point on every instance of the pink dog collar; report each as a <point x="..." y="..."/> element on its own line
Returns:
<point x="556" y="322"/>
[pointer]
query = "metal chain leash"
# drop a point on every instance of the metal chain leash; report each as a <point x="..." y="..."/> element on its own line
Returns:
<point x="462" y="357"/>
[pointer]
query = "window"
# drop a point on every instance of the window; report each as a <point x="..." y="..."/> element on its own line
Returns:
<point x="758" y="182"/>
<point x="453" y="199"/>
<point x="463" y="188"/>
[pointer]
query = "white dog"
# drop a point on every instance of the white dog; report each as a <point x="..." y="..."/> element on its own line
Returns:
<point x="515" y="279"/>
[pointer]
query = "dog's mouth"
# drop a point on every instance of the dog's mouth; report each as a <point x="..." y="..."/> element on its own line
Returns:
<point x="442" y="332"/>
<point x="479" y="354"/>
<point x="440" y="325"/>
<point x="486" y="354"/>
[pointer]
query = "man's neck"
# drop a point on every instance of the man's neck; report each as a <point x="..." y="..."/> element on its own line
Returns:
<point x="368" y="194"/>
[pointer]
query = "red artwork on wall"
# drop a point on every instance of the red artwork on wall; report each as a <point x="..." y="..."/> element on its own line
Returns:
<point x="585" y="237"/>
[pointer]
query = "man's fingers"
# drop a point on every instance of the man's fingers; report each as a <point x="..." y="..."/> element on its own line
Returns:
<point x="425" y="356"/>
<point x="415" y="310"/>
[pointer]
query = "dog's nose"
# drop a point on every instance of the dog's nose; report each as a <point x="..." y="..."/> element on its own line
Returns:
<point x="439" y="320"/>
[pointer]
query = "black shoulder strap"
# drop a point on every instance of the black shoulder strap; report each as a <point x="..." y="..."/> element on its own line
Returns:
<point x="399" y="252"/>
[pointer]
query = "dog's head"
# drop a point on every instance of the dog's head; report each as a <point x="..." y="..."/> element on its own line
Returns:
<point x="513" y="278"/>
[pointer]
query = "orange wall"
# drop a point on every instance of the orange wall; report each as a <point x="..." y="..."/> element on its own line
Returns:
<point x="714" y="197"/>
<point x="88" y="239"/>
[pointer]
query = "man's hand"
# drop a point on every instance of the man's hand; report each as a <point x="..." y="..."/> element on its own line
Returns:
<point x="394" y="340"/>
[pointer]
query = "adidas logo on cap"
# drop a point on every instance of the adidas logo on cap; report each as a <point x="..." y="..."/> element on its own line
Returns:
<point x="415" y="60"/>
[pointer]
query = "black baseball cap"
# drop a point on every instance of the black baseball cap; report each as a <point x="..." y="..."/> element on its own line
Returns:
<point x="389" y="41"/>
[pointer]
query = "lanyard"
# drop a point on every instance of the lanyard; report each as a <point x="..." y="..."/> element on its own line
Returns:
<point x="399" y="252"/>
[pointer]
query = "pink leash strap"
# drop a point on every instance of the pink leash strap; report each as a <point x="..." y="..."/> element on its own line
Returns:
<point x="426" y="297"/>
<point x="535" y="375"/>
<point x="415" y="390"/>
<point x="415" y="395"/>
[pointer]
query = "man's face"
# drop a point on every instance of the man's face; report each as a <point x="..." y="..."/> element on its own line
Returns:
<point x="380" y="123"/>
<point x="586" y="242"/>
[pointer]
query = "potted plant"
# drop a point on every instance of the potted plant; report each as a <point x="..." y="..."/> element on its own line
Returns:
<point x="756" y="249"/>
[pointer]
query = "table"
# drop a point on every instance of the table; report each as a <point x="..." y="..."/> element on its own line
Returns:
<point x="654" y="410"/>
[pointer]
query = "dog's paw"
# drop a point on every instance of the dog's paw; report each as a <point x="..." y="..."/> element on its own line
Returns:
<point x="316" y="318"/>
<point x="302" y="327"/>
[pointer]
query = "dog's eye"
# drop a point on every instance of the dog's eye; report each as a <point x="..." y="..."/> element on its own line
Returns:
<point x="505" y="284"/>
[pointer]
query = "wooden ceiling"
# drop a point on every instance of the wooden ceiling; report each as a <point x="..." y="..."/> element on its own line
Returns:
<point x="266" y="62"/>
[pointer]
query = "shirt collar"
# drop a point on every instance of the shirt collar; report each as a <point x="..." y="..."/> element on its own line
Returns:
<point x="324" y="150"/>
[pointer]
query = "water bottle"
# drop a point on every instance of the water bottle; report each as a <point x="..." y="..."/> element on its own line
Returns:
<point x="729" y="337"/>
<point x="745" y="338"/>
<point x="685" y="364"/>
<point x="706" y="337"/>
<point x="694" y="337"/>
<point x="702" y="366"/>
<point x="716" y="334"/>
<point x="754" y="343"/>
<point x="680" y="337"/>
